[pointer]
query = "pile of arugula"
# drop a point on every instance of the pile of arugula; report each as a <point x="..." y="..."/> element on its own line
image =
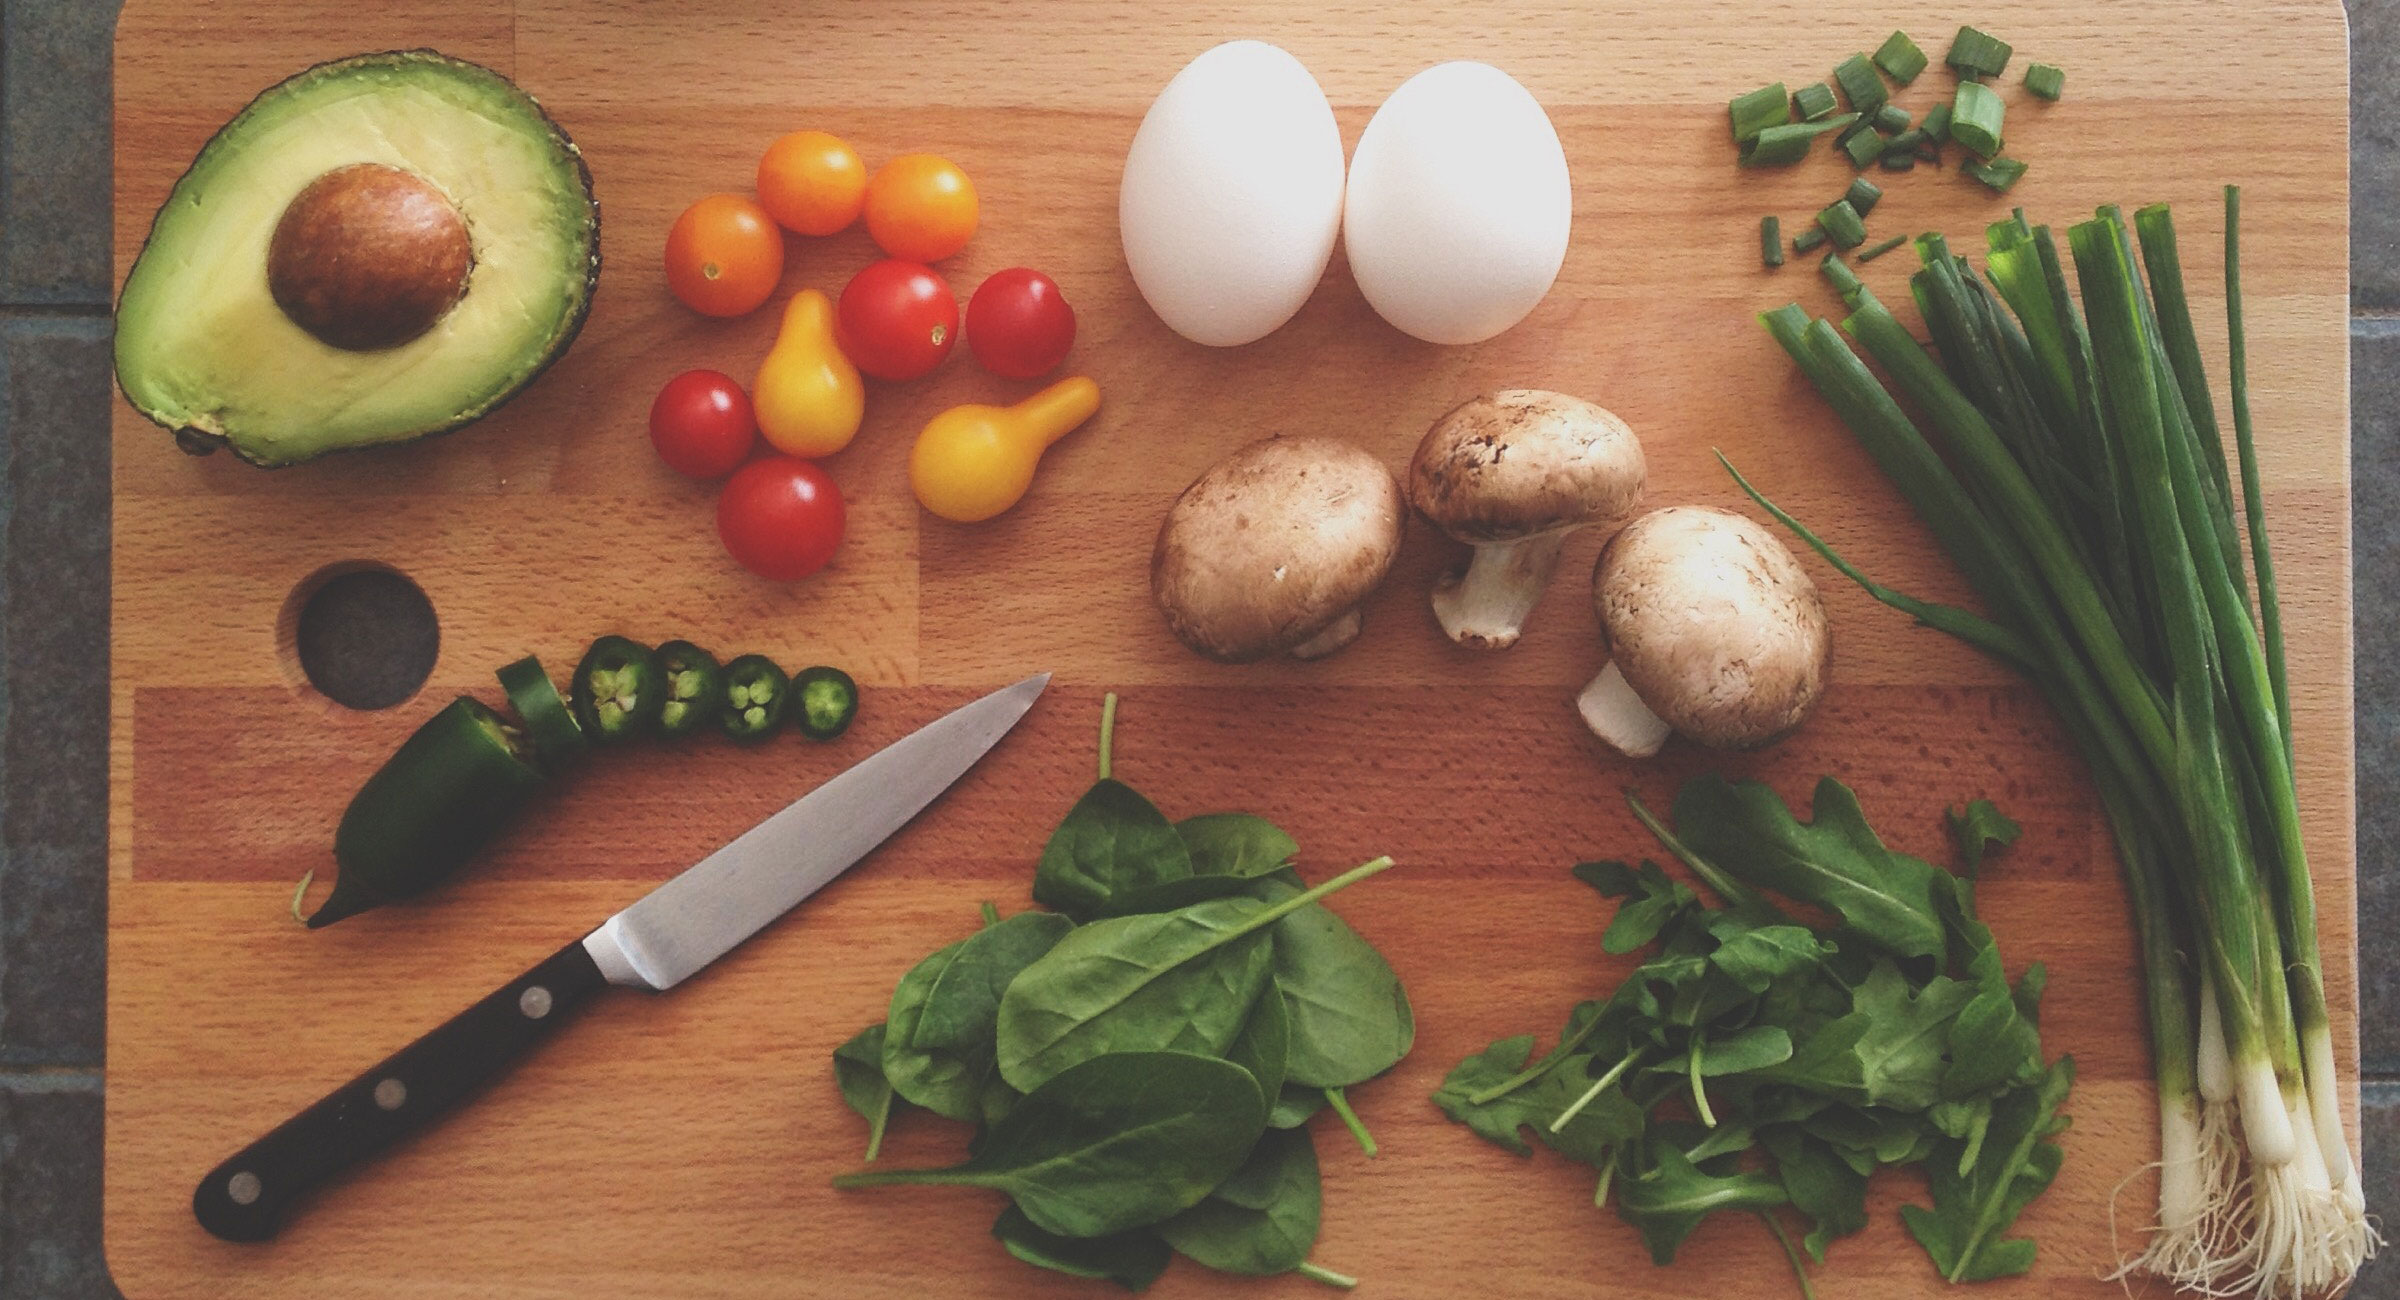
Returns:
<point x="1756" y="1062"/>
<point x="1141" y="1062"/>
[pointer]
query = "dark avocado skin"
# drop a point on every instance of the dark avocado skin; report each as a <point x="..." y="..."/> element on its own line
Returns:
<point x="197" y="442"/>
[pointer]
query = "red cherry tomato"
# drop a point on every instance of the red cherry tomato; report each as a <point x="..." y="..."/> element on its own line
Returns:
<point x="897" y="320"/>
<point x="702" y="424"/>
<point x="781" y="517"/>
<point x="1018" y="324"/>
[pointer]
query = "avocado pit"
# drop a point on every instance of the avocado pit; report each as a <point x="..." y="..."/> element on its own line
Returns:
<point x="368" y="257"/>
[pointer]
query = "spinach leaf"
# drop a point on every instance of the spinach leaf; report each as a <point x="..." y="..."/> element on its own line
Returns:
<point x="1833" y="861"/>
<point x="938" y="1047"/>
<point x="1112" y="840"/>
<point x="1350" y="1016"/>
<point x="1264" y="1045"/>
<point x="1235" y="844"/>
<point x="1132" y="1260"/>
<point x="1264" y="1218"/>
<point x="1295" y="1105"/>
<point x="1972" y="1210"/>
<point x="1671" y="1199"/>
<point x="858" y="1072"/>
<point x="1652" y="900"/>
<point x="1117" y="1142"/>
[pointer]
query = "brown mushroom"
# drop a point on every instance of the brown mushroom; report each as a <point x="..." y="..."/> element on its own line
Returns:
<point x="1713" y="630"/>
<point x="1272" y="550"/>
<point x="1511" y="474"/>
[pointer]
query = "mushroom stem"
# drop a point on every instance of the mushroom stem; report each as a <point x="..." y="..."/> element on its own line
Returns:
<point x="1617" y="715"/>
<point x="1341" y="632"/>
<point x="1485" y="604"/>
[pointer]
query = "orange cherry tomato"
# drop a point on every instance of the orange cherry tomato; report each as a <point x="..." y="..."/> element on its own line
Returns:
<point x="812" y="183"/>
<point x="724" y="256"/>
<point x="921" y="208"/>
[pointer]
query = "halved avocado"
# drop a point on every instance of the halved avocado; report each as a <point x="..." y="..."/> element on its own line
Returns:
<point x="380" y="248"/>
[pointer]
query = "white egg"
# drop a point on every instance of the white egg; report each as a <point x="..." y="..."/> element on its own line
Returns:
<point x="1459" y="204"/>
<point x="1232" y="194"/>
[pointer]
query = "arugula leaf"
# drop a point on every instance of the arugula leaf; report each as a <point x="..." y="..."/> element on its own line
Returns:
<point x="1964" y="1231"/>
<point x="1834" y="861"/>
<point x="1993" y="1042"/>
<point x="1263" y="1219"/>
<point x="1132" y="1260"/>
<point x="938" y="1044"/>
<point x="1821" y="1184"/>
<point x="1652" y="900"/>
<point x="1499" y="1120"/>
<point x="858" y="1072"/>
<point x="1670" y="1200"/>
<point x="1745" y="1050"/>
<point x="1113" y="840"/>
<point x="1756" y="956"/>
<point x="1980" y="828"/>
<point x="1908" y="1031"/>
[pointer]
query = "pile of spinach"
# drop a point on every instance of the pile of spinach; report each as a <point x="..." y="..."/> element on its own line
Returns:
<point x="1141" y="1062"/>
<point x="1757" y="1062"/>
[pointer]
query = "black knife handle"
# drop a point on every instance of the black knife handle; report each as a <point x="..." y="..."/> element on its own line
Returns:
<point x="245" y="1198"/>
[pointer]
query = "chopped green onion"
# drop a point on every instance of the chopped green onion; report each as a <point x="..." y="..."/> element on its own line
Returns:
<point x="1863" y="147"/>
<point x="1843" y="225"/>
<point x="1975" y="117"/>
<point x="1770" y="240"/>
<point x="1899" y="160"/>
<point x="1900" y="57"/>
<point x="1779" y="145"/>
<point x="1937" y="123"/>
<point x="1998" y="173"/>
<point x="1860" y="83"/>
<point x="1891" y="119"/>
<point x="2044" y="81"/>
<point x="1878" y="250"/>
<point x="1975" y="54"/>
<point x="1761" y="108"/>
<point x="1862" y="195"/>
<point x="1907" y="142"/>
<point x="1809" y="240"/>
<point x="1812" y="101"/>
<point x="1839" y="275"/>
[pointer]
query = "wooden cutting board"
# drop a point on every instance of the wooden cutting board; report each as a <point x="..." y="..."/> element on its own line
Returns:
<point x="681" y="1146"/>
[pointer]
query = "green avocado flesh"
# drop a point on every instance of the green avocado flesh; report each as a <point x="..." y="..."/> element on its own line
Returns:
<point x="203" y="349"/>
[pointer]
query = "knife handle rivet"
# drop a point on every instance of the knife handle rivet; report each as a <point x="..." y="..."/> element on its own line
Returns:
<point x="391" y="1094"/>
<point x="243" y="1188"/>
<point x="534" y="1002"/>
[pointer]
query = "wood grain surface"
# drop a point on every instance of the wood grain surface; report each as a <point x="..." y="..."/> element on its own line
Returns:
<point x="681" y="1146"/>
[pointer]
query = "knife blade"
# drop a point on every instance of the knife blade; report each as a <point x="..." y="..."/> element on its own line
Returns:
<point x="665" y="936"/>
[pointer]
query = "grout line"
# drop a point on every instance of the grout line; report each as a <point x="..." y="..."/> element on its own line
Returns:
<point x="60" y="1078"/>
<point x="40" y="310"/>
<point x="2375" y="326"/>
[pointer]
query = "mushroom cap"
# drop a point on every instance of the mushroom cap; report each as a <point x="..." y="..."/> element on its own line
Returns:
<point x="1714" y="624"/>
<point x="1273" y="545"/>
<point x="1522" y="461"/>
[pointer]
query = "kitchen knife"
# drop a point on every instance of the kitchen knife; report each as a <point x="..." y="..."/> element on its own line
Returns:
<point x="691" y="920"/>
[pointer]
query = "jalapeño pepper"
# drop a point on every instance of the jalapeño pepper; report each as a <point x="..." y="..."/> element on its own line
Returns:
<point x="557" y="737"/>
<point x="695" y="688"/>
<point x="824" y="700"/>
<point x="439" y="799"/>
<point x="618" y="691"/>
<point x="756" y="695"/>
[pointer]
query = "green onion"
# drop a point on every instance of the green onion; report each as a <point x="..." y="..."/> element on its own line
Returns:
<point x="1899" y="57"/>
<point x="1878" y="250"/>
<point x="1862" y="195"/>
<point x="1975" y="54"/>
<point x="1891" y="119"/>
<point x="1937" y="123"/>
<point x="1860" y="83"/>
<point x="1997" y="173"/>
<point x="1809" y="240"/>
<point x="1755" y="112"/>
<point x="1778" y="146"/>
<point x="1863" y="147"/>
<point x="1898" y="160"/>
<point x="1770" y="240"/>
<point x="1812" y="101"/>
<point x="1906" y="143"/>
<point x="1839" y="275"/>
<point x="2044" y="81"/>
<point x="1975" y="117"/>
<point x="1843" y="225"/>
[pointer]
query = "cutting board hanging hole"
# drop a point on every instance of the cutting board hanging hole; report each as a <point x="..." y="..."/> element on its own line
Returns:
<point x="360" y="634"/>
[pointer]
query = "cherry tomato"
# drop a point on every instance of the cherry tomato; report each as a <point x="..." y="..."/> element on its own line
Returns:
<point x="724" y="256"/>
<point x="781" y="517"/>
<point x="702" y="424"/>
<point x="897" y="320"/>
<point x="920" y="208"/>
<point x="812" y="183"/>
<point x="1018" y="325"/>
